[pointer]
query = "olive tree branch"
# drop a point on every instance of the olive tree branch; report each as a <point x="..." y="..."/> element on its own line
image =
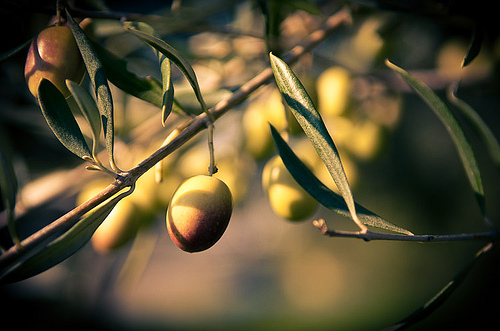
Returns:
<point x="371" y="235"/>
<point x="192" y="128"/>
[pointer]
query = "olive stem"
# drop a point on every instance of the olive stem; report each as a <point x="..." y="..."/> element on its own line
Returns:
<point x="212" y="169"/>
<point x="371" y="235"/>
<point x="60" y="7"/>
<point x="97" y="165"/>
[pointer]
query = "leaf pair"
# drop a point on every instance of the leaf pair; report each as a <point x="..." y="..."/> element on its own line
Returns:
<point x="98" y="112"/>
<point x="167" y="53"/>
<point x="311" y="122"/>
<point x="308" y="117"/>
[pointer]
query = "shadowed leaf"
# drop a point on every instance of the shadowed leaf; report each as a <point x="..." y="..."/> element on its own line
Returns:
<point x="147" y="89"/>
<point x="440" y="297"/>
<point x="60" y="119"/>
<point x="171" y="53"/>
<point x="165" y="70"/>
<point x="89" y="110"/>
<point x="454" y="129"/>
<point x="62" y="247"/>
<point x="100" y="85"/>
<point x="479" y="125"/>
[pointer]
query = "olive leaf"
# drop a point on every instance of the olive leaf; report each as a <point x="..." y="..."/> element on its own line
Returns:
<point x="60" y="119"/>
<point x="148" y="89"/>
<point x="311" y="122"/>
<point x="89" y="110"/>
<point x="479" y="125"/>
<point x="168" y="87"/>
<point x="321" y="192"/>
<point x="173" y="55"/>
<point x="474" y="46"/>
<point x="63" y="246"/>
<point x="100" y="85"/>
<point x="165" y="70"/>
<point x="436" y="301"/>
<point x="452" y="126"/>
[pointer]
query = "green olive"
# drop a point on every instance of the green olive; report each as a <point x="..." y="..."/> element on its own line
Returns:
<point x="121" y="225"/>
<point x="287" y="198"/>
<point x="333" y="88"/>
<point x="53" y="55"/>
<point x="199" y="213"/>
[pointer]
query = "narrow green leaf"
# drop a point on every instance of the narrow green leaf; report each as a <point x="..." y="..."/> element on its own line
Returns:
<point x="323" y="194"/>
<point x="165" y="70"/>
<point x="171" y="53"/>
<point x="60" y="119"/>
<point x="89" y="110"/>
<point x="441" y="297"/>
<point x="474" y="46"/>
<point x="454" y="129"/>
<point x="100" y="85"/>
<point x="62" y="247"/>
<point x="168" y="87"/>
<point x="311" y="122"/>
<point x="479" y="125"/>
<point x="115" y="68"/>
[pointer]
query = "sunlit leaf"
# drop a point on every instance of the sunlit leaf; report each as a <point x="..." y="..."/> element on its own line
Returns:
<point x="89" y="110"/>
<point x="440" y="297"/>
<point x="454" y="129"/>
<point x="100" y="84"/>
<point x="62" y="247"/>
<point x="322" y="193"/>
<point x="148" y="89"/>
<point x="311" y="122"/>
<point x="60" y="119"/>
<point x="171" y="53"/>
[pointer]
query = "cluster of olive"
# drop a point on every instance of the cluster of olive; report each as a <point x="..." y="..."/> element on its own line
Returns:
<point x="358" y="122"/>
<point x="200" y="206"/>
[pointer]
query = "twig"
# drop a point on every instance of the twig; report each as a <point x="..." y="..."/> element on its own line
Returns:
<point x="196" y="125"/>
<point x="370" y="235"/>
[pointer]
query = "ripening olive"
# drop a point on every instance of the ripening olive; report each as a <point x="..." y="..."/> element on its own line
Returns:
<point x="121" y="225"/>
<point x="258" y="138"/>
<point x="53" y="55"/>
<point x="256" y="119"/>
<point x="287" y="198"/>
<point x="199" y="213"/>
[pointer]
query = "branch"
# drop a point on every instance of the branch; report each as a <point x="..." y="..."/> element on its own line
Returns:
<point x="370" y="235"/>
<point x="194" y="126"/>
